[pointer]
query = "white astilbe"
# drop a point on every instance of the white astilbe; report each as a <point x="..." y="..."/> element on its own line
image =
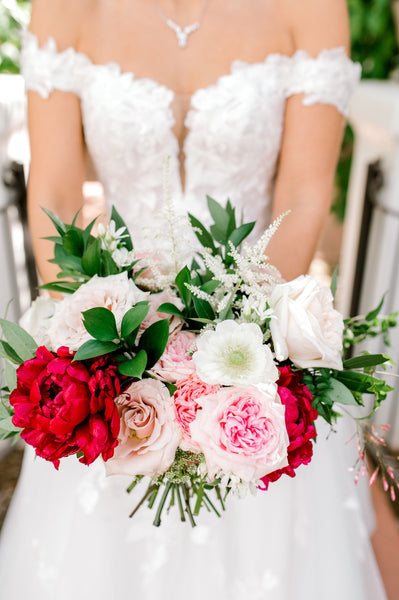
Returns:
<point x="171" y="240"/>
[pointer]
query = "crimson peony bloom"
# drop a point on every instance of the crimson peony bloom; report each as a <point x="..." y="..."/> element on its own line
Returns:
<point x="299" y="417"/>
<point x="66" y="407"/>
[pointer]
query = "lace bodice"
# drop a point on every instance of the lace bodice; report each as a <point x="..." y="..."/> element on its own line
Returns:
<point x="234" y="126"/>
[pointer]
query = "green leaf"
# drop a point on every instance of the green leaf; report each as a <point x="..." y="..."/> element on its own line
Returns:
<point x="7" y="352"/>
<point x="210" y="286"/>
<point x="218" y="235"/>
<point x="11" y="376"/>
<point x="334" y="281"/>
<point x="170" y="309"/>
<point x="338" y="392"/>
<point x="232" y="219"/>
<point x="239" y="234"/>
<point x="55" y="239"/>
<point x="367" y="360"/>
<point x="66" y="260"/>
<point x="154" y="340"/>
<point x="7" y="427"/>
<point x="182" y="278"/>
<point x="64" y="287"/>
<point x="219" y="215"/>
<point x="134" y="367"/>
<point x="202" y="233"/>
<point x="20" y="341"/>
<point x="87" y="233"/>
<point x="119" y="222"/>
<point x="171" y="387"/>
<point x="134" y="317"/>
<point x="73" y="242"/>
<point x="91" y="259"/>
<point x="109" y="266"/>
<point x="94" y="348"/>
<point x="58" y="224"/>
<point x="374" y="313"/>
<point x="203" y="309"/>
<point x="100" y="323"/>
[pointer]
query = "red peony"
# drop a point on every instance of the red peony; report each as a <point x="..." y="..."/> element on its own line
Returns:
<point x="67" y="407"/>
<point x="299" y="417"/>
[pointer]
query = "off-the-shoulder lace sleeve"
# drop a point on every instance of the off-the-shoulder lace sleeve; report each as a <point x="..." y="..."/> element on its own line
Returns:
<point x="330" y="78"/>
<point x="45" y="68"/>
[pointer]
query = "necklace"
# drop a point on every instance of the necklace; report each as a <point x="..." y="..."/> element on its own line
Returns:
<point x="182" y="33"/>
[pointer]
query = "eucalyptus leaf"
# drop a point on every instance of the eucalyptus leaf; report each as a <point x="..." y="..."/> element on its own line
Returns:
<point x="95" y="348"/>
<point x="21" y="342"/>
<point x="134" y="367"/>
<point x="7" y="352"/>
<point x="11" y="376"/>
<point x="133" y="318"/>
<point x="100" y="323"/>
<point x="338" y="392"/>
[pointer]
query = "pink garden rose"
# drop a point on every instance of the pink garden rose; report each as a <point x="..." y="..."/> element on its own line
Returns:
<point x="185" y="405"/>
<point x="149" y="434"/>
<point x="176" y="363"/>
<point x="242" y="431"/>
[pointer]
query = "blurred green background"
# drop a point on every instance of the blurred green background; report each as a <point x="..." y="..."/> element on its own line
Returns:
<point x="373" y="45"/>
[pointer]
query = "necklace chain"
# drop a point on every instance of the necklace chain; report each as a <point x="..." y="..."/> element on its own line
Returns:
<point x="182" y="33"/>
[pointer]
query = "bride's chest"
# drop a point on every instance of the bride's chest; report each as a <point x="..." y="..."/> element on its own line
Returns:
<point x="240" y="115"/>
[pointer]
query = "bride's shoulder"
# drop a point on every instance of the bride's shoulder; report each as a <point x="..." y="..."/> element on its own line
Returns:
<point x="318" y="24"/>
<point x="62" y="20"/>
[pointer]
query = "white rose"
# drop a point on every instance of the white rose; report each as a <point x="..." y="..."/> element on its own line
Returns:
<point x="305" y="327"/>
<point x="234" y="354"/>
<point x="36" y="319"/>
<point x="116" y="292"/>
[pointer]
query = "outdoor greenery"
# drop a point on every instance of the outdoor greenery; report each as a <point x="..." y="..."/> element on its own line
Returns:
<point x="14" y="15"/>
<point x="373" y="45"/>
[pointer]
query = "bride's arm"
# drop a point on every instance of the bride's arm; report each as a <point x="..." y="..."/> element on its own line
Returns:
<point x="310" y="147"/>
<point x="57" y="148"/>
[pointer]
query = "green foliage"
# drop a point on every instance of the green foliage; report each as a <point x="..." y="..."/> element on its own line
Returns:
<point x="374" y="46"/>
<point x="14" y="15"/>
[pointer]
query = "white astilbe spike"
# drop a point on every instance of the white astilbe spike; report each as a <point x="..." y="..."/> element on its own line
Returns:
<point x="196" y="291"/>
<point x="259" y="249"/>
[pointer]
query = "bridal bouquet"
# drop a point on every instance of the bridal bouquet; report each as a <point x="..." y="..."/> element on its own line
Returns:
<point x="206" y="378"/>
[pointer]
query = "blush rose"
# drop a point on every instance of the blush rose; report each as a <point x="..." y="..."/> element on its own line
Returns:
<point x="149" y="434"/>
<point x="176" y="362"/>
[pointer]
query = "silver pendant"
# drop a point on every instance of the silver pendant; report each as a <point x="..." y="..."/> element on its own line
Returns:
<point x="182" y="33"/>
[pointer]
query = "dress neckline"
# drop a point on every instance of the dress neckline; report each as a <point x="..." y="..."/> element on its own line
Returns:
<point x="51" y="45"/>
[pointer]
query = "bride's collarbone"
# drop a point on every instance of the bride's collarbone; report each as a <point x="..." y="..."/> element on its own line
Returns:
<point x="144" y="46"/>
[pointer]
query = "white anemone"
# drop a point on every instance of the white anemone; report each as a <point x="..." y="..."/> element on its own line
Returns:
<point x="234" y="354"/>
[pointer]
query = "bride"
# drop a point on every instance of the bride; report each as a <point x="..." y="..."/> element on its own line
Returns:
<point x="248" y="102"/>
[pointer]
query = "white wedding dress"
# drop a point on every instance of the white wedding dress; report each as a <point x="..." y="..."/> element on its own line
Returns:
<point x="68" y="534"/>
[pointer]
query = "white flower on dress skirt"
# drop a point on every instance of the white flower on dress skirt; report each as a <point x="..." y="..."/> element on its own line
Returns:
<point x="234" y="354"/>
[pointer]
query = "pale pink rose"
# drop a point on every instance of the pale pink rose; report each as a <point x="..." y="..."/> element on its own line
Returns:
<point x="155" y="300"/>
<point x="149" y="434"/>
<point x="176" y="362"/>
<point x="242" y="431"/>
<point x="115" y="292"/>
<point x="186" y="406"/>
